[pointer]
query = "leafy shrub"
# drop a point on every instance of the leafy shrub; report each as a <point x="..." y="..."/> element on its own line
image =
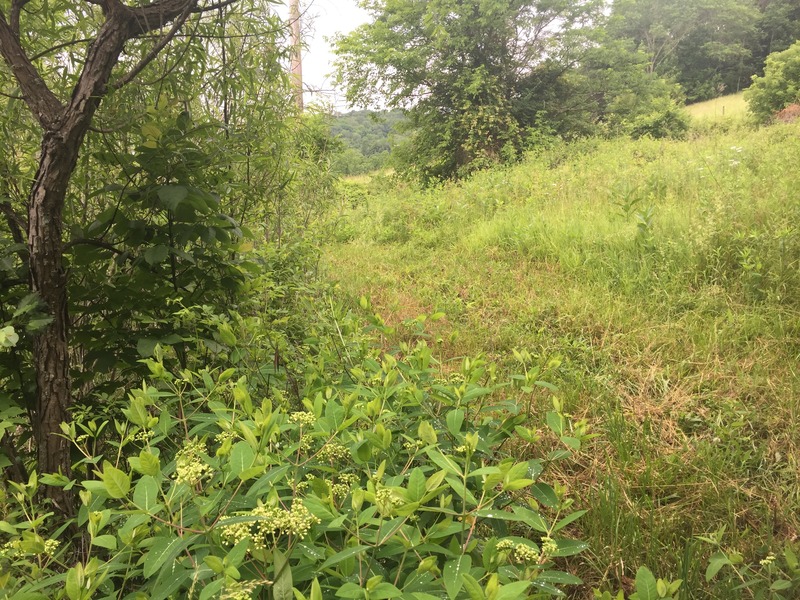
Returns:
<point x="385" y="481"/>
<point x="779" y="87"/>
<point x="665" y="120"/>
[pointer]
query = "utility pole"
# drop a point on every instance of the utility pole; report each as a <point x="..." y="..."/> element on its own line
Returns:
<point x="296" y="53"/>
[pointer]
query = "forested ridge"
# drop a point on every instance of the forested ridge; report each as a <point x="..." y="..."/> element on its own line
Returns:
<point x="543" y="345"/>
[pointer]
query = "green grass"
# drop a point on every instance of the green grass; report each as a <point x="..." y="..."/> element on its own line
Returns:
<point x="657" y="283"/>
<point x="728" y="107"/>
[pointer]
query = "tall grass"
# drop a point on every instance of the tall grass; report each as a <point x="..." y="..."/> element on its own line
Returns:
<point x="658" y="285"/>
<point x="732" y="106"/>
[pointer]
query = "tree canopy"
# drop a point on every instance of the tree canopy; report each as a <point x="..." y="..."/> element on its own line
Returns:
<point x="456" y="68"/>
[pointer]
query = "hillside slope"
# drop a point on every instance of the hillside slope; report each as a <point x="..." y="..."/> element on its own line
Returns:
<point x="657" y="284"/>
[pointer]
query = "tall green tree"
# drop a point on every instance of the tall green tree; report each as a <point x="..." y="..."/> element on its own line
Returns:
<point x="62" y="59"/>
<point x="709" y="47"/>
<point x="455" y="67"/>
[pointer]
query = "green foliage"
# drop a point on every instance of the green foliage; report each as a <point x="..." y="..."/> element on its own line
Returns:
<point x="710" y="47"/>
<point x="656" y="283"/>
<point x="779" y="87"/>
<point x="165" y="205"/>
<point x="387" y="480"/>
<point x="459" y="69"/>
<point x="776" y="577"/>
<point x="367" y="138"/>
<point x="666" y="120"/>
<point x="647" y="588"/>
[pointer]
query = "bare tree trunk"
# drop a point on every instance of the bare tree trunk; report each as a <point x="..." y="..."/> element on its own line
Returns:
<point x="296" y="53"/>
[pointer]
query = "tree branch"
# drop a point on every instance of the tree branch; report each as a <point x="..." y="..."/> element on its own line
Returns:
<point x="202" y="9"/>
<point x="16" y="9"/>
<point x="158" y="47"/>
<point x="43" y="103"/>
<point x="16" y="222"/>
<point x="156" y="15"/>
<point x="91" y="242"/>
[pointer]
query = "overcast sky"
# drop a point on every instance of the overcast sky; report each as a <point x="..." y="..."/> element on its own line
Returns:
<point x="322" y="19"/>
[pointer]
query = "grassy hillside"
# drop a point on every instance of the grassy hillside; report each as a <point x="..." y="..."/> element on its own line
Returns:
<point x="723" y="108"/>
<point x="657" y="285"/>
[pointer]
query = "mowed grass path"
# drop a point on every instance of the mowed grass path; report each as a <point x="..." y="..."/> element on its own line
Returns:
<point x="657" y="284"/>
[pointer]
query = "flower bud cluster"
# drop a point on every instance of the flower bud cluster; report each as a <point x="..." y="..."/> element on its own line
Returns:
<point x="333" y="451"/>
<point x="271" y="522"/>
<point x="302" y="418"/>
<point x="189" y="465"/>
<point x="386" y="500"/>
<point x="520" y="552"/>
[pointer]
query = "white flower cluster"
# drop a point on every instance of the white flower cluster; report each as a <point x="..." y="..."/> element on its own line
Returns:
<point x="302" y="418"/>
<point x="341" y="488"/>
<point x="521" y="552"/>
<point x="768" y="560"/>
<point x="386" y="501"/>
<point x="333" y="451"/>
<point x="271" y="523"/>
<point x="189" y="465"/>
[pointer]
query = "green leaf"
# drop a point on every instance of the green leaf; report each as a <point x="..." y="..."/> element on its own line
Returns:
<point x="146" y="347"/>
<point x="211" y="590"/>
<point x="156" y="254"/>
<point x="163" y="552"/>
<point x="214" y="563"/>
<point x="532" y="519"/>
<point x="455" y="419"/>
<point x="453" y="574"/>
<point x="8" y="337"/>
<point x="474" y="589"/>
<point x="416" y="485"/>
<point x="646" y="585"/>
<point x="512" y="591"/>
<point x="316" y="590"/>
<point x="149" y="464"/>
<point x="145" y="494"/>
<point x="444" y="462"/>
<point x="74" y="583"/>
<point x="342" y="555"/>
<point x="109" y="542"/>
<point x="427" y="433"/>
<point x="241" y="458"/>
<point x="545" y="494"/>
<point x="117" y="483"/>
<point x="780" y="584"/>
<point x="569" y="547"/>
<point x="282" y="588"/>
<point x="569" y="519"/>
<point x="715" y="563"/>
<point x="556" y="422"/>
<point x="172" y="195"/>
<point x="350" y="590"/>
<point x="384" y="590"/>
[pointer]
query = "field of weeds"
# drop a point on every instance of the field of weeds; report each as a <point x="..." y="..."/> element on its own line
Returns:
<point x="656" y="284"/>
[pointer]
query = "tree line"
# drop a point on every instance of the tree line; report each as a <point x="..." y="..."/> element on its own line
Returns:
<point x="480" y="81"/>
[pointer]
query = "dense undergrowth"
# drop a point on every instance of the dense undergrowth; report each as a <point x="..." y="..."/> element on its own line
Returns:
<point x="656" y="284"/>
<point x="297" y="458"/>
<point x="575" y="374"/>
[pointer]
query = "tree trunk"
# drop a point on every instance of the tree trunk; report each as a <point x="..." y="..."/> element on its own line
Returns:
<point x="64" y="128"/>
<point x="49" y="280"/>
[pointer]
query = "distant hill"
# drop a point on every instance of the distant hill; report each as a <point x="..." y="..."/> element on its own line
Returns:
<point x="367" y="136"/>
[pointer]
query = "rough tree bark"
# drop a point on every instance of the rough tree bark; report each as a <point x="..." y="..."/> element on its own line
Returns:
<point x="64" y="126"/>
